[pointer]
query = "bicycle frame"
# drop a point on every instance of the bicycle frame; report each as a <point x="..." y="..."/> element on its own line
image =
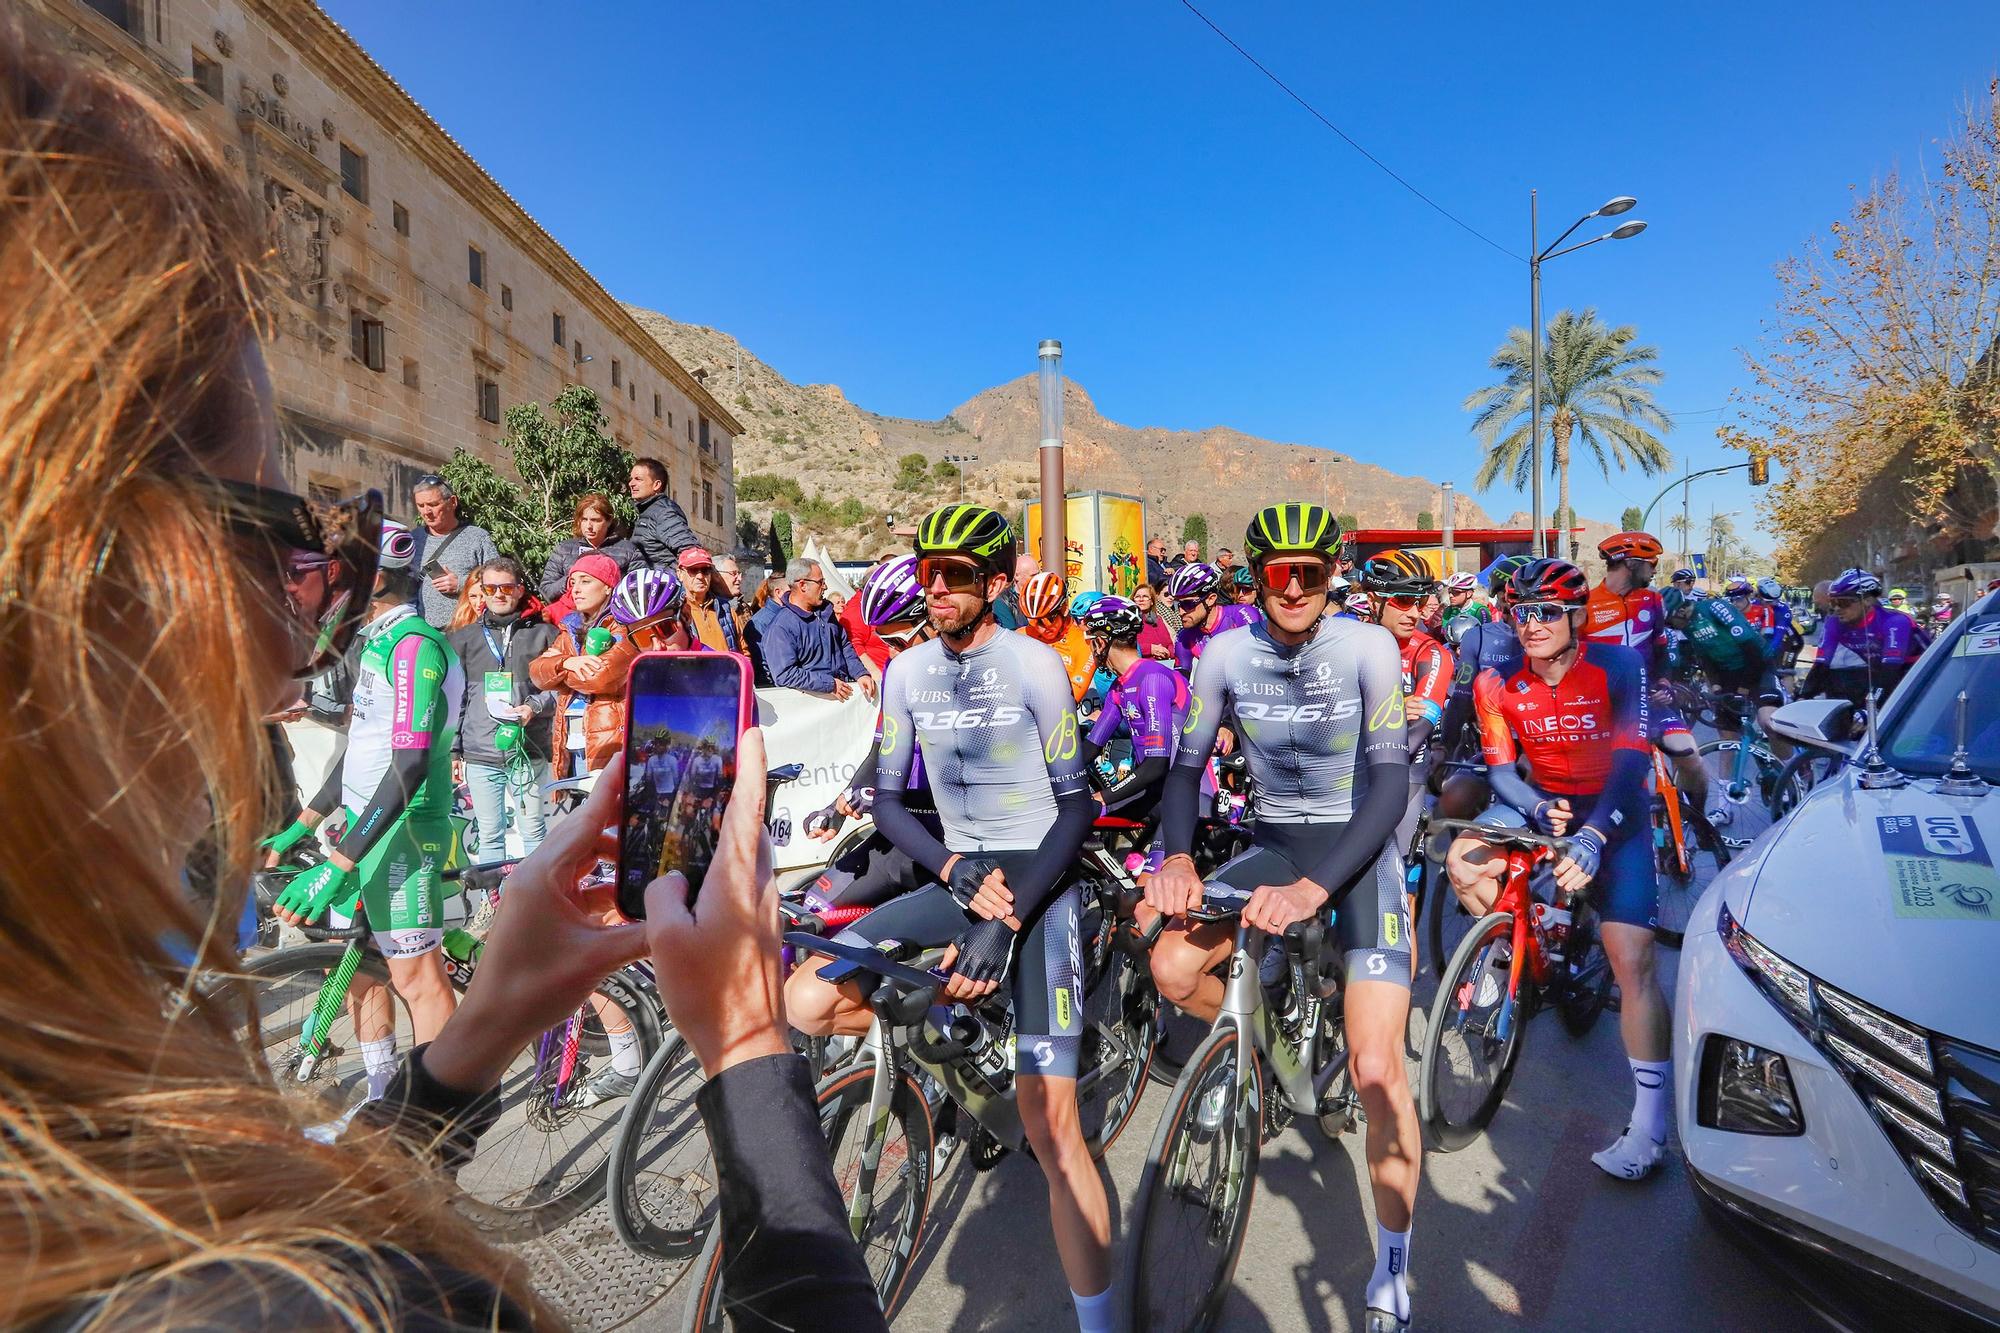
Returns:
<point x="1244" y="1010"/>
<point x="1670" y="796"/>
<point x="1527" y="946"/>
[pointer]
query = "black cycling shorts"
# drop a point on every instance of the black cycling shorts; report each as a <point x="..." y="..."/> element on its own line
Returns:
<point x="1371" y="920"/>
<point x="871" y="873"/>
<point x="1048" y="962"/>
<point x="1757" y="682"/>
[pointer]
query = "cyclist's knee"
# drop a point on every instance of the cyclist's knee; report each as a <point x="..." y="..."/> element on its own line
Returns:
<point x="1377" y="1068"/>
<point x="811" y="1004"/>
<point x="1049" y="1114"/>
<point x="1630" y="950"/>
<point x="420" y="977"/>
<point x="1177" y="967"/>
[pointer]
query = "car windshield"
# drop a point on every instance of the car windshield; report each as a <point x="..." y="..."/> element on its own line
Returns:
<point x="1925" y="733"/>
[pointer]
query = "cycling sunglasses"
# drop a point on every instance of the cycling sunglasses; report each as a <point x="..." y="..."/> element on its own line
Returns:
<point x="1539" y="613"/>
<point x="1277" y="575"/>
<point x="1190" y="603"/>
<point x="342" y="538"/>
<point x="958" y="575"/>
<point x="1402" y="601"/>
<point x="1842" y="603"/>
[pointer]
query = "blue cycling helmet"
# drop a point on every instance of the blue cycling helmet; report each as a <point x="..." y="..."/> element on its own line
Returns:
<point x="645" y="595"/>
<point x="1082" y="602"/>
<point x="1855" y="583"/>
<point x="1682" y="575"/>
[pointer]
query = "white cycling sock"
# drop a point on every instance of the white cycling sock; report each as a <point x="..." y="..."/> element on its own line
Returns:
<point x="624" y="1051"/>
<point x="1388" y="1288"/>
<point x="379" y="1059"/>
<point x="1093" y="1313"/>
<point x="1644" y="1141"/>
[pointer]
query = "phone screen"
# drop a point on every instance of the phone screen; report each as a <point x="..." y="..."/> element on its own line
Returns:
<point x="683" y="716"/>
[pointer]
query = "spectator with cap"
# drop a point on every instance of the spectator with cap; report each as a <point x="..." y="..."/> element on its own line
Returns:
<point x="661" y="531"/>
<point x="697" y="569"/>
<point x="804" y="647"/>
<point x="587" y="670"/>
<point x="593" y="527"/>
<point x="447" y="550"/>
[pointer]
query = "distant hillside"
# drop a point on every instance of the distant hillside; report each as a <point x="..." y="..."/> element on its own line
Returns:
<point x="846" y="462"/>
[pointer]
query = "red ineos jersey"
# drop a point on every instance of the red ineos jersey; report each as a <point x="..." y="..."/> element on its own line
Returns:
<point x="1427" y="668"/>
<point x="1569" y="731"/>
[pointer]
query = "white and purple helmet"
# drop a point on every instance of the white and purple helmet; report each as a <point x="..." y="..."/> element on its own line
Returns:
<point x="1463" y="581"/>
<point x="398" y="545"/>
<point x="1855" y="583"/>
<point x="890" y="593"/>
<point x="645" y="595"/>
<point x="1193" y="580"/>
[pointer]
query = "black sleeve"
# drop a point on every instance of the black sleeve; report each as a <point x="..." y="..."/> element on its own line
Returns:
<point x="327" y="799"/>
<point x="1419" y="732"/>
<point x="789" y="1261"/>
<point x="864" y="773"/>
<point x="1815" y="682"/>
<point x="1134" y="789"/>
<point x="406" y="773"/>
<point x="1373" y="824"/>
<point x="555" y="573"/>
<point x="435" y="1118"/>
<point x="1180" y="797"/>
<point x="907" y="833"/>
<point x="674" y="529"/>
<point x="1457" y="712"/>
<point x="1075" y="812"/>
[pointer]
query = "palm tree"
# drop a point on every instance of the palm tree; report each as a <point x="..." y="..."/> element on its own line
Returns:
<point x="1678" y="525"/>
<point x="1597" y="390"/>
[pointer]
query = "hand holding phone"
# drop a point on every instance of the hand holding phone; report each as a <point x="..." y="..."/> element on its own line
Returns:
<point x="685" y="714"/>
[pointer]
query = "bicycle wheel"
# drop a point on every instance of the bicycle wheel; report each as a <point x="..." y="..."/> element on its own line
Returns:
<point x="1117" y="1052"/>
<point x="1339" y="1110"/>
<point x="1706" y="854"/>
<point x="1585" y="986"/>
<point x="1449" y="924"/>
<point x="546" y="1159"/>
<point x="287" y="985"/>
<point x="1196" y="1191"/>
<point x="1753" y="801"/>
<point x="661" y="1180"/>
<point x="1466" y="1064"/>
<point x="898" y="1203"/>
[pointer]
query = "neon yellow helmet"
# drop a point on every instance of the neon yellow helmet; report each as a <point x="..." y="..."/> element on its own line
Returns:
<point x="968" y="529"/>
<point x="1291" y="529"/>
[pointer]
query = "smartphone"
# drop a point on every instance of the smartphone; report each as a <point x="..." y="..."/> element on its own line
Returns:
<point x="684" y="714"/>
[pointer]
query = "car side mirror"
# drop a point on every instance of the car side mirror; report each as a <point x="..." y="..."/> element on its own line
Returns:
<point x="1822" y="724"/>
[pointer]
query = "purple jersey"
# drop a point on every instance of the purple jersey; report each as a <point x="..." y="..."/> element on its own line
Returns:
<point x="1188" y="645"/>
<point x="1885" y="637"/>
<point x="1148" y="703"/>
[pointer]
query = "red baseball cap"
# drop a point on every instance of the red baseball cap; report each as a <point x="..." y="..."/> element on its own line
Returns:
<point x="695" y="557"/>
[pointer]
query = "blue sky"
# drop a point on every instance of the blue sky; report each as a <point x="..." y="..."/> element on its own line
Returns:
<point x="903" y="198"/>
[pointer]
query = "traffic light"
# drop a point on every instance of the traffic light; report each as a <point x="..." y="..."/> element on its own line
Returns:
<point x="1760" y="467"/>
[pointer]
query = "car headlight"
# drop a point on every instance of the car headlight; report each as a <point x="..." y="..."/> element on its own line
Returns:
<point x="1789" y="988"/>
<point x="1746" y="1089"/>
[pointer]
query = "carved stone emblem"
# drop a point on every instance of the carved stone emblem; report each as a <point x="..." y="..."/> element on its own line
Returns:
<point x="298" y="234"/>
<point x="326" y="127"/>
<point x="280" y="83"/>
<point x="223" y="46"/>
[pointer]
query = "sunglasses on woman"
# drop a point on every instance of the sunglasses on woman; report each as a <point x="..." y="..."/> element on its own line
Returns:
<point x="958" y="575"/>
<point x="1538" y="613"/>
<point x="342" y="538"/>
<point x="1313" y="575"/>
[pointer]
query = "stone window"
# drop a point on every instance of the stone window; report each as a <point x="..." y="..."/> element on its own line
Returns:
<point x="123" y="13"/>
<point x="656" y="407"/>
<point x="475" y="266"/>
<point x="354" y="172"/>
<point x="207" y="72"/>
<point x="561" y="335"/>
<point x="617" y="373"/>
<point x="670" y="421"/>
<point x="366" y="340"/>
<point x="506" y="297"/>
<point x="690" y="430"/>
<point x="489" y="400"/>
<point x="632" y="392"/>
<point x="706" y="447"/>
<point x="411" y="377"/>
<point x="399" y="218"/>
<point x="708" y="500"/>
<point x="576" y="351"/>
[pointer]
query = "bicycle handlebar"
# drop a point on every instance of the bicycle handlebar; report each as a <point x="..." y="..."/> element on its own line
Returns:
<point x="1526" y="839"/>
<point x="866" y="958"/>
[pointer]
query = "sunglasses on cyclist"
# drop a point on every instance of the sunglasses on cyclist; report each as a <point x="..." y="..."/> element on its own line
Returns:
<point x="1189" y="603"/>
<point x="900" y="639"/>
<point x="1402" y="601"/>
<point x="1277" y="575"/>
<point x="1842" y="603"/>
<point x="342" y="538"/>
<point x="1538" y="613"/>
<point x="958" y="575"/>
<point x="653" y="638"/>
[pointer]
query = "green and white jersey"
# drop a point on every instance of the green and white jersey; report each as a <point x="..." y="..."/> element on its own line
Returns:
<point x="407" y="695"/>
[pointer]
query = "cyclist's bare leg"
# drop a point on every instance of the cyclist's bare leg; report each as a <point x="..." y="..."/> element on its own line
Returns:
<point x="821" y="1010"/>
<point x="1377" y="1013"/>
<point x="1184" y="960"/>
<point x="1079" y="1213"/>
<point x="369" y="1007"/>
<point x="1689" y="775"/>
<point x="1779" y="745"/>
<point x="425" y="988"/>
<point x="1648" y="1050"/>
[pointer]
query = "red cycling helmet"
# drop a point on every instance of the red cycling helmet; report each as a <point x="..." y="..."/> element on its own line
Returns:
<point x="1630" y="546"/>
<point x="1551" y="580"/>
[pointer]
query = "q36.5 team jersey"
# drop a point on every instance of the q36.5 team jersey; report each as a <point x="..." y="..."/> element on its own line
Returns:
<point x="1309" y="716"/>
<point x="998" y="734"/>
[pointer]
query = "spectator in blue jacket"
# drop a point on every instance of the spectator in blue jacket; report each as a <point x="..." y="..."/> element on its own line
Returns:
<point x="804" y="645"/>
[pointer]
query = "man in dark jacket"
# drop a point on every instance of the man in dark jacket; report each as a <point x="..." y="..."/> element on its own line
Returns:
<point x="803" y="644"/>
<point x="661" y="531"/>
<point x="504" y="725"/>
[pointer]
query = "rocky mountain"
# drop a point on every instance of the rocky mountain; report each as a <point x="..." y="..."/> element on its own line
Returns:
<point x="841" y="470"/>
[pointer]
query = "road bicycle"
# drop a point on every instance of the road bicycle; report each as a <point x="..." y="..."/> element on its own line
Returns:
<point x="1529" y="953"/>
<point x="1687" y="852"/>
<point x="1742" y="768"/>
<point x="877" y="1109"/>
<point x="1265" y="1059"/>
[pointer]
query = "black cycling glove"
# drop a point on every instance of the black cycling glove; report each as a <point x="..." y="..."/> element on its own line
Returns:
<point x="967" y="876"/>
<point x="985" y="952"/>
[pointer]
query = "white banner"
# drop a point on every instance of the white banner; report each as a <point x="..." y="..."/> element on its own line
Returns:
<point x="830" y="737"/>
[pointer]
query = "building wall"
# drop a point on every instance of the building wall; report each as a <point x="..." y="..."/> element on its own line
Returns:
<point x="384" y="238"/>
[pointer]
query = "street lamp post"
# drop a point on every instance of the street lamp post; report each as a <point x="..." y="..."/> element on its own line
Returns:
<point x="1450" y="555"/>
<point x="1055" y="515"/>
<point x="1537" y="256"/>
<point x="959" y="461"/>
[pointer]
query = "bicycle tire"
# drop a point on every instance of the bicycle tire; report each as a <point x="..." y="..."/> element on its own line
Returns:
<point x="1678" y="892"/>
<point x="1109" y="1105"/>
<point x="1586" y="985"/>
<point x="660" y="1141"/>
<point x="503" y="1210"/>
<point x="842" y="1100"/>
<point x="1446" y="1131"/>
<point x="334" y="1077"/>
<point x="1768" y="774"/>
<point x="1240" y="1137"/>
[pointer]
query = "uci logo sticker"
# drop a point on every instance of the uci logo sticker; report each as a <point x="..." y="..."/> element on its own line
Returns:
<point x="1945" y="835"/>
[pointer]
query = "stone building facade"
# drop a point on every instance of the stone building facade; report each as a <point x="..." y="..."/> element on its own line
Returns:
<point x="420" y="300"/>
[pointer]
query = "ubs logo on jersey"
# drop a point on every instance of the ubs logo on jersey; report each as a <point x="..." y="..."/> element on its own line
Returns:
<point x="929" y="696"/>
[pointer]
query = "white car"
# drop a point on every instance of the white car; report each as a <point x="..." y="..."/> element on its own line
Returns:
<point x="1837" y="1018"/>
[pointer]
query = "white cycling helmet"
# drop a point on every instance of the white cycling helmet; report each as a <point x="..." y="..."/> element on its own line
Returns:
<point x="1462" y="582"/>
<point x="399" y="545"/>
